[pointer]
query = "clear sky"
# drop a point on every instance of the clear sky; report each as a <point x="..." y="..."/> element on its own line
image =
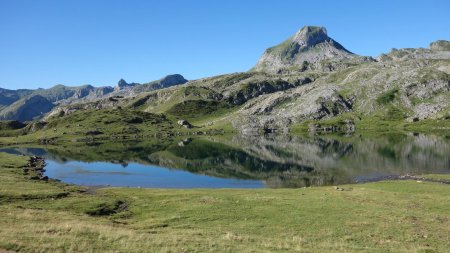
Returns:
<point x="75" y="42"/>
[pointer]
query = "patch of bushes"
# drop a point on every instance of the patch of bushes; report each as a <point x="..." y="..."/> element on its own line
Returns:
<point x="197" y="108"/>
<point x="134" y="120"/>
<point x="105" y="209"/>
<point x="387" y="97"/>
<point x="11" y="125"/>
<point x="395" y="113"/>
<point x="140" y="101"/>
<point x="232" y="79"/>
<point x="202" y="92"/>
<point x="94" y="132"/>
<point x="387" y="152"/>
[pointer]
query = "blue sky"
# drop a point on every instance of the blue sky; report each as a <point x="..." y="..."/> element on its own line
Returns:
<point x="74" y="42"/>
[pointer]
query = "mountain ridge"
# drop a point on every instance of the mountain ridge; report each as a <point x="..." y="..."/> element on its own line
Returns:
<point x="331" y="92"/>
<point x="64" y="95"/>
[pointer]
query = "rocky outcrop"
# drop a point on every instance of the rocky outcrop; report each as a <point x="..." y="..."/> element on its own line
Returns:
<point x="35" y="126"/>
<point x="83" y="92"/>
<point x="184" y="123"/>
<point x="35" y="169"/>
<point x="254" y="89"/>
<point x="60" y="111"/>
<point x="122" y="84"/>
<point x="440" y="45"/>
<point x="170" y="80"/>
<point x="438" y="50"/>
<point x="331" y="105"/>
<point x="165" y="82"/>
<point x="345" y="126"/>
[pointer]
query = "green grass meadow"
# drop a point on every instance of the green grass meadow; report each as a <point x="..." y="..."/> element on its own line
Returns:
<point x="387" y="216"/>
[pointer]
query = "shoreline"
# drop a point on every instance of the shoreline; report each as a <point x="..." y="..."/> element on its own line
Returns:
<point x="36" y="165"/>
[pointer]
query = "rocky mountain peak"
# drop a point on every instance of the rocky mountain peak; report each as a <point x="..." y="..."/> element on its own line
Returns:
<point x="174" y="79"/>
<point x="310" y="35"/>
<point x="121" y="84"/>
<point x="310" y="45"/>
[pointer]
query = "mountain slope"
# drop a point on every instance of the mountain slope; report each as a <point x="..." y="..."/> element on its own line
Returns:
<point x="27" y="108"/>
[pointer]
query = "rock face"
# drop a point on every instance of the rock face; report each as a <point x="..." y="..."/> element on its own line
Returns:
<point x="308" y="46"/>
<point x="122" y="84"/>
<point x="83" y="92"/>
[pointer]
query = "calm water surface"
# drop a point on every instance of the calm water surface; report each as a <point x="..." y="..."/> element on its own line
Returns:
<point x="243" y="162"/>
<point x="138" y="175"/>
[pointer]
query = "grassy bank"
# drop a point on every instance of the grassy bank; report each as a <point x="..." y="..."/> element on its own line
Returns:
<point x="115" y="125"/>
<point x="214" y="119"/>
<point x="400" y="216"/>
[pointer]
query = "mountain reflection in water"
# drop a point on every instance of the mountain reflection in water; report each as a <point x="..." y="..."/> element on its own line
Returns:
<point x="275" y="161"/>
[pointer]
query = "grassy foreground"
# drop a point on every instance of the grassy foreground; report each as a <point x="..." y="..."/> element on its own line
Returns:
<point x="397" y="216"/>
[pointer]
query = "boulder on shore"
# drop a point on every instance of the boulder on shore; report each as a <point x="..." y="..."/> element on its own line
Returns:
<point x="184" y="123"/>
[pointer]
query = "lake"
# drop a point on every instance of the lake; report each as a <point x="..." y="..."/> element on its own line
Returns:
<point x="243" y="161"/>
